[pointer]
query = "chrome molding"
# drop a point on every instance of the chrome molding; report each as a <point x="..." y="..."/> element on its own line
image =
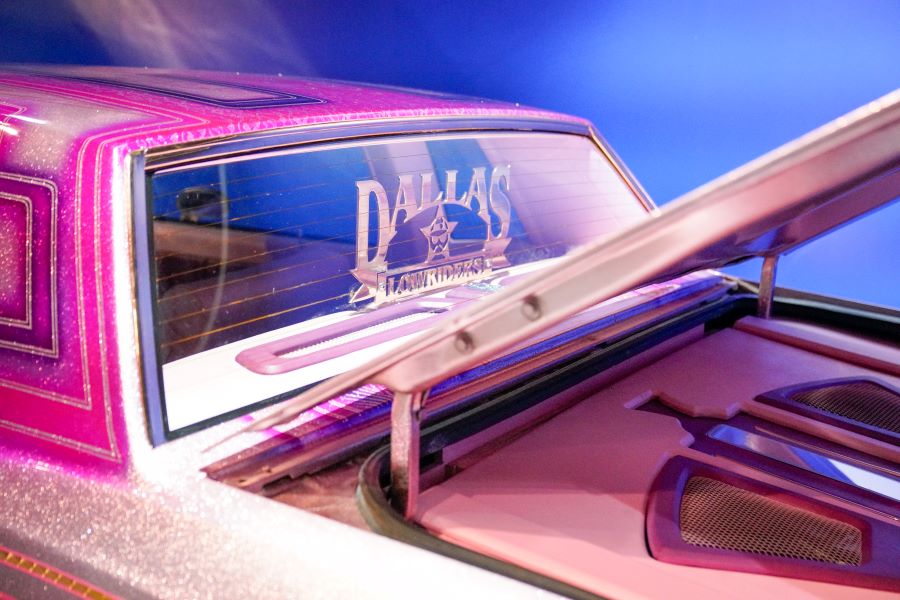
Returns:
<point x="243" y="143"/>
<point x="151" y="372"/>
<point x="767" y="287"/>
<point x="238" y="144"/>
<point x="406" y="412"/>
<point x="809" y="460"/>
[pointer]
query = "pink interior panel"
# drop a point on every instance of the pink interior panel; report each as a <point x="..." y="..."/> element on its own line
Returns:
<point x="874" y="419"/>
<point x="568" y="498"/>
<point x="866" y="353"/>
<point x="270" y="358"/>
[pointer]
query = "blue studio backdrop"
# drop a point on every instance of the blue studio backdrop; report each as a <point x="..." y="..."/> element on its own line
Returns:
<point x="684" y="91"/>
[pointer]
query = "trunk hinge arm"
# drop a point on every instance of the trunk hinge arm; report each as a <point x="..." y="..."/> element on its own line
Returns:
<point x="406" y="413"/>
<point x="767" y="287"/>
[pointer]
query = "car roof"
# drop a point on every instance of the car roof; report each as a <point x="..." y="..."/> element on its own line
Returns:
<point x="204" y="104"/>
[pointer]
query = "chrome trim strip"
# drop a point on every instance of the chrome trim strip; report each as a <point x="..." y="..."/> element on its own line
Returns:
<point x="767" y="287"/>
<point x="151" y="373"/>
<point x="809" y="460"/>
<point x="623" y="170"/>
<point x="242" y="143"/>
<point x="170" y="156"/>
<point x="406" y="414"/>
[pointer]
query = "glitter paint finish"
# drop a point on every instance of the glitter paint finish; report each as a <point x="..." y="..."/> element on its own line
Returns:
<point x="82" y="489"/>
<point x="177" y="536"/>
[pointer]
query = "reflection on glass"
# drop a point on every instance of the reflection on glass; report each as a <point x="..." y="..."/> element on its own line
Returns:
<point x="809" y="460"/>
<point x="268" y="265"/>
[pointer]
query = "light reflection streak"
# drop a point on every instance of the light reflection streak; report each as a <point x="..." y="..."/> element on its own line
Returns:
<point x="28" y="119"/>
<point x="808" y="460"/>
<point x="202" y="34"/>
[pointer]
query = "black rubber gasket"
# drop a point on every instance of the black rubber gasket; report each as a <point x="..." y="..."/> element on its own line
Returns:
<point x="382" y="518"/>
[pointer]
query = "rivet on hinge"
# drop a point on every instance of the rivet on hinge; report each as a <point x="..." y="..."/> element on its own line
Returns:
<point x="531" y="308"/>
<point x="463" y="343"/>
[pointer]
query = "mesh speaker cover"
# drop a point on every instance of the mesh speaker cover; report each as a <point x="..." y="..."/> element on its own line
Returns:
<point x="718" y="515"/>
<point x="861" y="401"/>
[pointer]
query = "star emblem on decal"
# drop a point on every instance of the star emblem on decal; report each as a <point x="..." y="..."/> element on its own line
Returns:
<point x="438" y="235"/>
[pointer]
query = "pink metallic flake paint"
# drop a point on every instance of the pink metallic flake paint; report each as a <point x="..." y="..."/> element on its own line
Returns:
<point x="61" y="202"/>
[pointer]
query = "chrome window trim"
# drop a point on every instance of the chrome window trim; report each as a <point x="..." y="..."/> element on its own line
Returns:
<point x="150" y="372"/>
<point x="145" y="163"/>
<point x="234" y="145"/>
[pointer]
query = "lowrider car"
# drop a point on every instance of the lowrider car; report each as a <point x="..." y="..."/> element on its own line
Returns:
<point x="275" y="337"/>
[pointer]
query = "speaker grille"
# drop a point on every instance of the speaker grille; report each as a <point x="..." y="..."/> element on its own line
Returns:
<point x="860" y="401"/>
<point x="718" y="515"/>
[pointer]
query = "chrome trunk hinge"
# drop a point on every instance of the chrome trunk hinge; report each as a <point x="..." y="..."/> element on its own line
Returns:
<point x="406" y="411"/>
<point x="767" y="287"/>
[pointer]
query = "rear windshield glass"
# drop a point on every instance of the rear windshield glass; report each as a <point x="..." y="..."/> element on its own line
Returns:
<point x="275" y="271"/>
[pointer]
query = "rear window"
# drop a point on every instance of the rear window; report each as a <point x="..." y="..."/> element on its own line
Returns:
<point x="277" y="270"/>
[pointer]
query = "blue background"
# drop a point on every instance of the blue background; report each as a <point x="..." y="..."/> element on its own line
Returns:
<point x="683" y="91"/>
